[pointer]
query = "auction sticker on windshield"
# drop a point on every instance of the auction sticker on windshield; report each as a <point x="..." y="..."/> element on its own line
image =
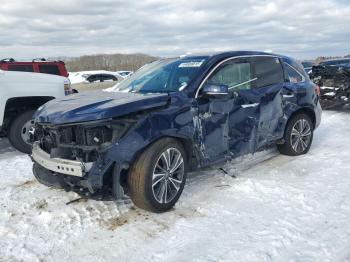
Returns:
<point x="192" y="64"/>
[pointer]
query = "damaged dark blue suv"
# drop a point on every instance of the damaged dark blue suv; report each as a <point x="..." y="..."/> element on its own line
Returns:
<point x="171" y="117"/>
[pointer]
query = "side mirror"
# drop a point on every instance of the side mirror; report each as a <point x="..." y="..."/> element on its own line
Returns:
<point x="215" y="91"/>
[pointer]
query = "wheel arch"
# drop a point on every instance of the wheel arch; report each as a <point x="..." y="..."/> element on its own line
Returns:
<point x="185" y="142"/>
<point x="17" y="105"/>
<point x="284" y="144"/>
<point x="304" y="110"/>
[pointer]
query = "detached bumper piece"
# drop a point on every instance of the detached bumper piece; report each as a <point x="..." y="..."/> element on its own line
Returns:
<point x="59" y="165"/>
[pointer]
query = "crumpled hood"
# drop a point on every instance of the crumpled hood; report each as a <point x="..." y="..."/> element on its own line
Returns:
<point x="96" y="105"/>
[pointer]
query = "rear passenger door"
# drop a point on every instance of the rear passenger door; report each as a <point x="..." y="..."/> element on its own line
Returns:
<point x="269" y="87"/>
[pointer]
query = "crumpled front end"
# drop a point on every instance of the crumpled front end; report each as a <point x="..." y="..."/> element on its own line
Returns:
<point x="73" y="157"/>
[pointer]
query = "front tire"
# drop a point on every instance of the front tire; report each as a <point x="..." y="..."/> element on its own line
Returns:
<point x="157" y="178"/>
<point x="18" y="133"/>
<point x="298" y="136"/>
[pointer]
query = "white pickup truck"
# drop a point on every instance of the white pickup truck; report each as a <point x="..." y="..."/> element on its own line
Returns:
<point x="21" y="93"/>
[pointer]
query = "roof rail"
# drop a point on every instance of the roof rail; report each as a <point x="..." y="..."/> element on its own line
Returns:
<point x="39" y="59"/>
<point x="6" y="60"/>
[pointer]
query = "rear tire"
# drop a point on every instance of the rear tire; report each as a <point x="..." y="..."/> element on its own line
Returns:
<point x="298" y="136"/>
<point x="157" y="178"/>
<point x="19" y="130"/>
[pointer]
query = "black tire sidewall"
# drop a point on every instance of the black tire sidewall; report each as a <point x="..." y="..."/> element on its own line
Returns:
<point x="14" y="133"/>
<point x="288" y="133"/>
<point x="156" y="152"/>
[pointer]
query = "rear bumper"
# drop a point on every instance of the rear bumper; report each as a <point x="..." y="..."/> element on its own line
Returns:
<point x="2" y="133"/>
<point x="318" y="113"/>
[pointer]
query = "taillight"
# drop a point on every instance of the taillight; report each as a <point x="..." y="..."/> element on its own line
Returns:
<point x="317" y="90"/>
<point x="67" y="87"/>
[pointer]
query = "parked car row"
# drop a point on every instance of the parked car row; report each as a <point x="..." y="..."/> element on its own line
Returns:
<point x="98" y="79"/>
<point x="333" y="77"/>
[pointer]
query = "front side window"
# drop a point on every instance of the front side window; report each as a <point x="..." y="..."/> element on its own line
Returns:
<point x="292" y="75"/>
<point x="268" y="71"/>
<point x="163" y="76"/>
<point x="236" y="75"/>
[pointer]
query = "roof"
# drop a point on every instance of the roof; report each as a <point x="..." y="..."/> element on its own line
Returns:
<point x="36" y="60"/>
<point x="231" y="53"/>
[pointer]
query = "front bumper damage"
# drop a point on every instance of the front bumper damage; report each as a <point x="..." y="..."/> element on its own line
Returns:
<point x="59" y="165"/>
<point x="64" y="158"/>
<point x="85" y="180"/>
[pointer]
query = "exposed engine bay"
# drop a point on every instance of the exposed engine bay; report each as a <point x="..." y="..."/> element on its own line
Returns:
<point x="68" y="156"/>
<point x="80" y="142"/>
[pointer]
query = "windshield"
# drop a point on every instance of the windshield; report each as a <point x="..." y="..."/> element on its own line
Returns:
<point x="163" y="76"/>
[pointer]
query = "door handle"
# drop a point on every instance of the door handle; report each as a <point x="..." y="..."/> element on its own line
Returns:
<point x="288" y="95"/>
<point x="250" y="105"/>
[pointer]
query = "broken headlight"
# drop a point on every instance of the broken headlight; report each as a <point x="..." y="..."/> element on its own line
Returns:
<point x="98" y="135"/>
<point x="83" y="134"/>
<point x="92" y="135"/>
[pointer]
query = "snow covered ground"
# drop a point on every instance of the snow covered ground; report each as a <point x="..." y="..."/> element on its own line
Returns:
<point x="278" y="208"/>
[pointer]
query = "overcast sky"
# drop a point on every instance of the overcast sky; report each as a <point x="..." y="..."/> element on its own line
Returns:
<point x="301" y="28"/>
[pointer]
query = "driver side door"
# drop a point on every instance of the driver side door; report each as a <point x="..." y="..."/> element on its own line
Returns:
<point x="229" y="125"/>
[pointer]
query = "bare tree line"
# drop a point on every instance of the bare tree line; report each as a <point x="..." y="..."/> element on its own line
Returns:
<point x="117" y="62"/>
<point x="322" y="58"/>
<point x="110" y="62"/>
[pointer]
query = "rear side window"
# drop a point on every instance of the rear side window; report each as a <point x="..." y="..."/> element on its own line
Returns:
<point x="268" y="71"/>
<point x="22" y="68"/>
<point x="236" y="75"/>
<point x="49" y="69"/>
<point x="108" y="78"/>
<point x="292" y="75"/>
<point x="94" y="78"/>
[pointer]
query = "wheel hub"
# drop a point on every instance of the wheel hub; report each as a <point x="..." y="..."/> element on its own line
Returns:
<point x="27" y="131"/>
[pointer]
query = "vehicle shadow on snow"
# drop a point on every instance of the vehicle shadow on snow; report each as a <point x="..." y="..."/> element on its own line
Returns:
<point x="5" y="146"/>
<point x="216" y="177"/>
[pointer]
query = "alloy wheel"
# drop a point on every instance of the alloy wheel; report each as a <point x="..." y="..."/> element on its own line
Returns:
<point x="168" y="175"/>
<point x="301" y="135"/>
